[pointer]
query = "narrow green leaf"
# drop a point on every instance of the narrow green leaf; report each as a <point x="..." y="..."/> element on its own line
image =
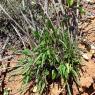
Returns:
<point x="62" y="70"/>
<point x="26" y="52"/>
<point x="70" y="2"/>
<point x="81" y="10"/>
<point x="53" y="74"/>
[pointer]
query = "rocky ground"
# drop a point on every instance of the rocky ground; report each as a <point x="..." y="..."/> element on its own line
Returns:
<point x="87" y="79"/>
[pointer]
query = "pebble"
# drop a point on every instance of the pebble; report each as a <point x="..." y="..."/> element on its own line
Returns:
<point x="92" y="51"/>
<point x="84" y="55"/>
<point x="35" y="89"/>
<point x="89" y="1"/>
<point x="92" y="47"/>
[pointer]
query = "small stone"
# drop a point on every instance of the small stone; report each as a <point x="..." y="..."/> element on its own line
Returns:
<point x="92" y="51"/>
<point x="35" y="89"/>
<point x="92" y="47"/>
<point x="80" y="89"/>
<point x="85" y="56"/>
<point x="9" y="89"/>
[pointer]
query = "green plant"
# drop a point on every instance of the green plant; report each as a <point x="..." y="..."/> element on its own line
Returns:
<point x="55" y="56"/>
<point x="54" y="53"/>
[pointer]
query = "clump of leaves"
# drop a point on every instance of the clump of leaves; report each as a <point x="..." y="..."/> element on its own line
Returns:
<point x="55" y="57"/>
